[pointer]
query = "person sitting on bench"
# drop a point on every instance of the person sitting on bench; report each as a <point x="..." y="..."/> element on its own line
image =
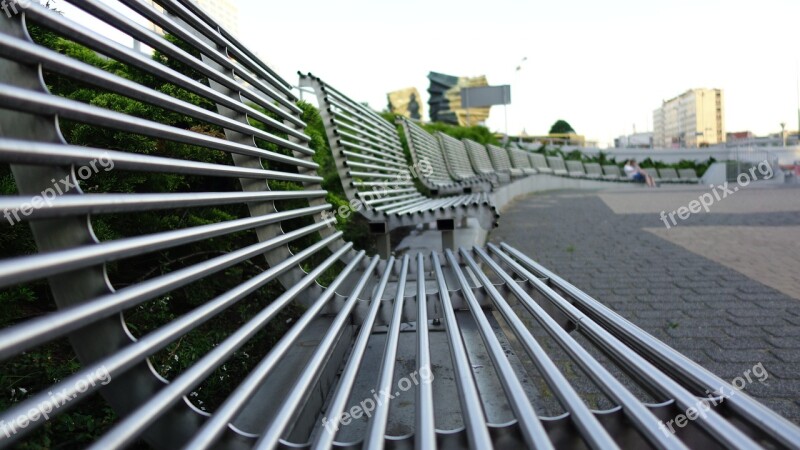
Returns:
<point x="637" y="174"/>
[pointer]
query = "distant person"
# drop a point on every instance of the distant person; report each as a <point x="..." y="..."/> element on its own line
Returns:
<point x="637" y="174"/>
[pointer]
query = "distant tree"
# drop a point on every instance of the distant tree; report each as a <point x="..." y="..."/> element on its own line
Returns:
<point x="561" y="127"/>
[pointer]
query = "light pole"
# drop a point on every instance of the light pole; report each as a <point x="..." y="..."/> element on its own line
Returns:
<point x="505" y="107"/>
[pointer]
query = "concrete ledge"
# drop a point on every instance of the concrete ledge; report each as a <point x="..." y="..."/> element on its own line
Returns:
<point x="503" y="196"/>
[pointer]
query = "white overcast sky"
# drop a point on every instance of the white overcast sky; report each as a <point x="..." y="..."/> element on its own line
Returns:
<point x="603" y="66"/>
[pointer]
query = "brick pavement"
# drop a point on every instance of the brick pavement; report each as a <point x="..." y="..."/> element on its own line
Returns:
<point x="719" y="317"/>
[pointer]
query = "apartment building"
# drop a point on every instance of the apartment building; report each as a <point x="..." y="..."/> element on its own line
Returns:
<point x="693" y="119"/>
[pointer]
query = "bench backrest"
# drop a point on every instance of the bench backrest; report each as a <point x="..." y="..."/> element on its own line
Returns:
<point x="366" y="149"/>
<point x="593" y="169"/>
<point x="556" y="163"/>
<point x="478" y="156"/>
<point x="499" y="157"/>
<point x="193" y="165"/>
<point x="652" y="172"/>
<point x="455" y="154"/>
<point x="668" y="173"/>
<point x="687" y="174"/>
<point x="425" y="147"/>
<point x="539" y="161"/>
<point x="612" y="169"/>
<point x="519" y="158"/>
<point x="575" y="167"/>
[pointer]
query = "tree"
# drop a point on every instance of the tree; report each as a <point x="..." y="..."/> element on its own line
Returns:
<point x="561" y="127"/>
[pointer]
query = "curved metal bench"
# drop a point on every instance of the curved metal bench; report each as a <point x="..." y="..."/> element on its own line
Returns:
<point x="458" y="164"/>
<point x="479" y="157"/>
<point x="575" y="169"/>
<point x="376" y="177"/>
<point x="521" y="161"/>
<point x="431" y="351"/>
<point x="540" y="163"/>
<point x="501" y="161"/>
<point x="557" y="164"/>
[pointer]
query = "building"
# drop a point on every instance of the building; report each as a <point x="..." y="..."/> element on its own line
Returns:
<point x="635" y="140"/>
<point x="225" y="12"/>
<point x="693" y="119"/>
<point x="445" y="100"/>
<point x="406" y="102"/>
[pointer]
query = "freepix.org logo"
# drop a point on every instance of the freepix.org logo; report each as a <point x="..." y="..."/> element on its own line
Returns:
<point x="13" y="7"/>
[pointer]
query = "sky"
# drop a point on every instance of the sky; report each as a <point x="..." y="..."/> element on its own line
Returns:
<point x="603" y="66"/>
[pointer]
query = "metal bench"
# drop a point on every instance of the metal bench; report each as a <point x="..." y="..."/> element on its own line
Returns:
<point x="376" y="177"/>
<point x="540" y="163"/>
<point x="557" y="164"/>
<point x="521" y="161"/>
<point x="654" y="174"/>
<point x="479" y="157"/>
<point x="502" y="163"/>
<point x="425" y="147"/>
<point x="612" y="172"/>
<point x="575" y="169"/>
<point x="593" y="171"/>
<point x="688" y="175"/>
<point x="458" y="164"/>
<point x="669" y="174"/>
<point x="434" y="351"/>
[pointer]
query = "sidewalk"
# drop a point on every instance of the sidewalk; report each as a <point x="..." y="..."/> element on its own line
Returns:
<point x="721" y="287"/>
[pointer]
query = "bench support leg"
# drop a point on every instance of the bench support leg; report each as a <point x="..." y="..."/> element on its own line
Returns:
<point x="383" y="241"/>
<point x="447" y="227"/>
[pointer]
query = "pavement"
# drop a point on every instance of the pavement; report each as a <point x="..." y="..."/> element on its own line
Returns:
<point x="722" y="287"/>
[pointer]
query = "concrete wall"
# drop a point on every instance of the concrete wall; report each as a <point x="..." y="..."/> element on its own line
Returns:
<point x="785" y="155"/>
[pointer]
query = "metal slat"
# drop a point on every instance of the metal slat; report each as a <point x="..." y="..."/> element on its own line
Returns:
<point x="310" y="375"/>
<point x="126" y="357"/>
<point x="424" y="421"/>
<point x="36" y="103"/>
<point x="101" y="44"/>
<point x="657" y="381"/>
<point x="531" y="427"/>
<point x="325" y="438"/>
<point x="42" y="265"/>
<point x="773" y="424"/>
<point x="471" y="406"/>
<point x="591" y="430"/>
<point x="376" y="427"/>
<point x="223" y="415"/>
<point x="196" y="10"/>
<point x="202" y="26"/>
<point x="45" y="154"/>
<point x="73" y="205"/>
<point x="145" y="35"/>
<point x="26" y="335"/>
<point x="130" y="427"/>
<point x="22" y="51"/>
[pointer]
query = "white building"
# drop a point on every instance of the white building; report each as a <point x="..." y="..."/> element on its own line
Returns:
<point x="635" y="140"/>
<point x="695" y="118"/>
